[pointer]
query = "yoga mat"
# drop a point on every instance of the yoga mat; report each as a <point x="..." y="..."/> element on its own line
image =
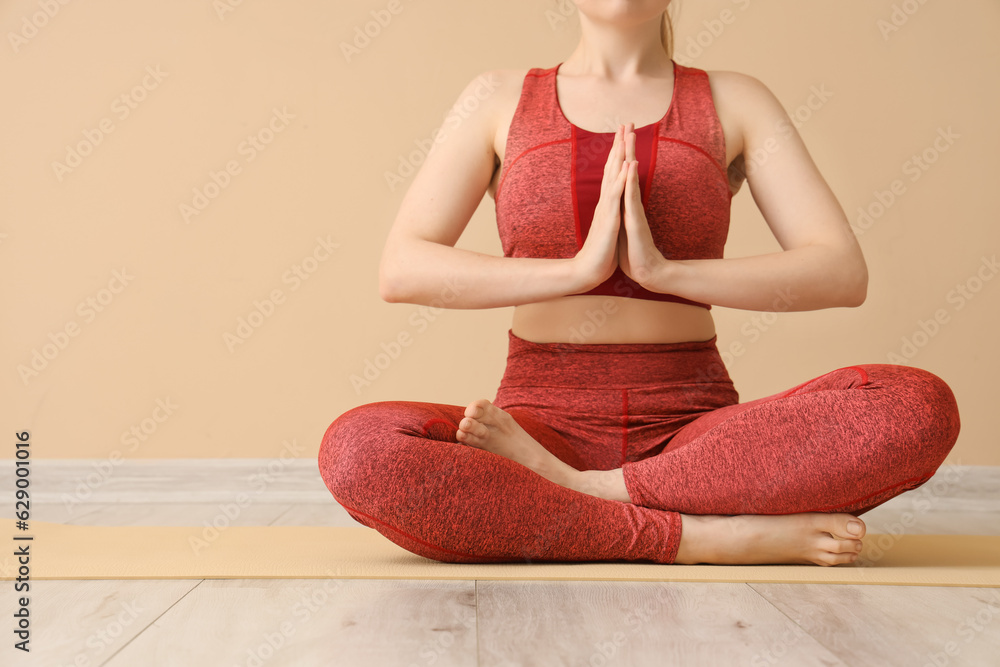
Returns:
<point x="61" y="551"/>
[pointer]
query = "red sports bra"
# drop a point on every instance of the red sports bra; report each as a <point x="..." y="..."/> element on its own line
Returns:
<point x="551" y="179"/>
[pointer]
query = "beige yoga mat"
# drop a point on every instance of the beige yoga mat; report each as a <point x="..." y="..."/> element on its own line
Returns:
<point x="60" y="551"/>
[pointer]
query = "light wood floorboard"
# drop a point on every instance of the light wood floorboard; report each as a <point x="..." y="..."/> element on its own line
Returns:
<point x="83" y="623"/>
<point x="894" y="625"/>
<point x="424" y="623"/>
<point x="307" y="623"/>
<point x="632" y="623"/>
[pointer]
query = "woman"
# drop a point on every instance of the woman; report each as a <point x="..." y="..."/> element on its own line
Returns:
<point x="616" y="432"/>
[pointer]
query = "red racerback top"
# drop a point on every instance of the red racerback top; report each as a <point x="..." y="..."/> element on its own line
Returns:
<point x="550" y="182"/>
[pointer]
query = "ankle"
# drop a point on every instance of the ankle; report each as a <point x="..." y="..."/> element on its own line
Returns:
<point x="700" y="538"/>
<point x="607" y="484"/>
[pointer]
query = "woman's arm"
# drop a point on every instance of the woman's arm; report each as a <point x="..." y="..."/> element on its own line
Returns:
<point x="420" y="263"/>
<point x="821" y="265"/>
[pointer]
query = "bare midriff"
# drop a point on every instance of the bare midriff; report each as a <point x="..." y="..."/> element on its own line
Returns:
<point x="593" y="318"/>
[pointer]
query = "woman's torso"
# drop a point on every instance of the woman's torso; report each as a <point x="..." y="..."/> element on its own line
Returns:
<point x="606" y="318"/>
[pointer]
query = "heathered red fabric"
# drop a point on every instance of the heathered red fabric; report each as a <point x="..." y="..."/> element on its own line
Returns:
<point x="669" y="416"/>
<point x="550" y="181"/>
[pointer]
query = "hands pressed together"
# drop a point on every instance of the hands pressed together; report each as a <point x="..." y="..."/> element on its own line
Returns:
<point x="610" y="243"/>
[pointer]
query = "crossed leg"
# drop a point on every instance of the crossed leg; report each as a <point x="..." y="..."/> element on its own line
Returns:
<point x="777" y="480"/>
<point x="397" y="467"/>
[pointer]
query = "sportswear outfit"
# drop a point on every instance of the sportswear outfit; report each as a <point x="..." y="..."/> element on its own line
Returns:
<point x="667" y="414"/>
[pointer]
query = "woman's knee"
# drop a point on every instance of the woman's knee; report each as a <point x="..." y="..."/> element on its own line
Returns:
<point x="924" y="399"/>
<point x="358" y="444"/>
<point x="348" y="443"/>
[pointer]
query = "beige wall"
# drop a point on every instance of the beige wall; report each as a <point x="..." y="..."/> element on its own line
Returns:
<point x="166" y="290"/>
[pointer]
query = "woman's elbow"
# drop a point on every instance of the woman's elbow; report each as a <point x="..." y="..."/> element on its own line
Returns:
<point x="390" y="283"/>
<point x="389" y="287"/>
<point x="856" y="290"/>
<point x="385" y="291"/>
<point x="857" y="297"/>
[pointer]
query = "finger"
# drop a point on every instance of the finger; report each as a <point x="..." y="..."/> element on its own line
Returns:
<point x="612" y="190"/>
<point x="617" y="154"/>
<point x="630" y="144"/>
<point x="631" y="184"/>
<point x="618" y="147"/>
<point x="629" y="196"/>
<point x="633" y="198"/>
<point x="610" y="164"/>
<point x="618" y="187"/>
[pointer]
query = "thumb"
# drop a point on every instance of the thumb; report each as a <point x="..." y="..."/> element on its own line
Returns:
<point x="631" y="194"/>
<point x="633" y="182"/>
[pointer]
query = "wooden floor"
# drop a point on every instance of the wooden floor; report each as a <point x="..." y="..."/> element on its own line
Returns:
<point x="372" y="623"/>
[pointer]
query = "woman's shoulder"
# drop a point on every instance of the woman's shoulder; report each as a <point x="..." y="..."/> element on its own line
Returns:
<point x="506" y="88"/>
<point x="498" y="88"/>
<point x="744" y="96"/>
<point x="746" y="92"/>
<point x="738" y="84"/>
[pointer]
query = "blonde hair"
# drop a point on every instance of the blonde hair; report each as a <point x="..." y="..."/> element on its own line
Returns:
<point x="667" y="35"/>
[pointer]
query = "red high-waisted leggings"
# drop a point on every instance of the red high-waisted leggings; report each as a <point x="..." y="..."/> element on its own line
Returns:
<point x="669" y="416"/>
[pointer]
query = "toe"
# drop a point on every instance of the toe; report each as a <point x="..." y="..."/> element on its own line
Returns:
<point x="468" y="437"/>
<point x="474" y="427"/>
<point x="850" y="529"/>
<point x="836" y="546"/>
<point x="494" y="415"/>
<point x="839" y="526"/>
<point x="837" y="559"/>
<point x="477" y="408"/>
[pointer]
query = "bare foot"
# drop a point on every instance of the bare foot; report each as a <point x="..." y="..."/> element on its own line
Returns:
<point x="488" y="427"/>
<point x="811" y="538"/>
